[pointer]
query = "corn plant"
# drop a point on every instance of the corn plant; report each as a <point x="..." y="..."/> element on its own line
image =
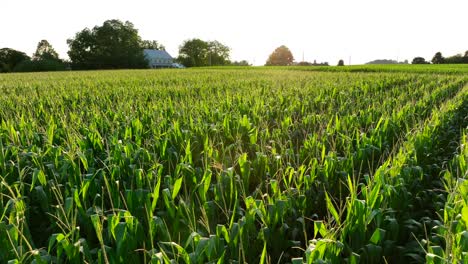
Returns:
<point x="266" y="165"/>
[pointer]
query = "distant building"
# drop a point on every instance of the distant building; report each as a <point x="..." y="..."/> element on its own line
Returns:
<point x="158" y="58"/>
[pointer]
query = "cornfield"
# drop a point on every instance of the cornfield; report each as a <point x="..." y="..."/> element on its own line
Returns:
<point x="235" y="165"/>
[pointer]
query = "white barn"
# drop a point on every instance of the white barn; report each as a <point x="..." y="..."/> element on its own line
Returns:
<point x="158" y="58"/>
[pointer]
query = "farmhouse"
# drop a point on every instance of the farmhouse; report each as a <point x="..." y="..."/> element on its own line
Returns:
<point x="158" y="58"/>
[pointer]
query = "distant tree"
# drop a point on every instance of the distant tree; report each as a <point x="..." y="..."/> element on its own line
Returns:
<point x="240" y="63"/>
<point x="419" y="60"/>
<point x="456" y="59"/>
<point x="193" y="53"/>
<point x="218" y="54"/>
<point x="45" y="51"/>
<point x="152" y="44"/>
<point x="40" y="66"/>
<point x="438" y="59"/>
<point x="383" y="61"/>
<point x="198" y="53"/>
<point x="306" y="63"/>
<point x="340" y="63"/>
<point x="114" y="45"/>
<point x="281" y="56"/>
<point x="464" y="59"/>
<point x="10" y="58"/>
<point x="44" y="59"/>
<point x="84" y="51"/>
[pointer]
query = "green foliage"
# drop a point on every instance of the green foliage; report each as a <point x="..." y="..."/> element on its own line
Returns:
<point x="306" y="63"/>
<point x="114" y="45"/>
<point x="240" y="63"/>
<point x="45" y="51"/>
<point x="386" y="62"/>
<point x="438" y="59"/>
<point x="253" y="165"/>
<point x="419" y="60"/>
<point x="218" y="53"/>
<point x="199" y="53"/>
<point x="40" y="66"/>
<point x="151" y="44"/>
<point x="457" y="59"/>
<point x="10" y="58"/>
<point x="44" y="59"/>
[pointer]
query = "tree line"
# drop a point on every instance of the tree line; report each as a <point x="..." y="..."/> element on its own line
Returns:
<point x="44" y="59"/>
<point x="439" y="59"/>
<point x="114" y="45"/>
<point x="455" y="59"/>
<point x="117" y="45"/>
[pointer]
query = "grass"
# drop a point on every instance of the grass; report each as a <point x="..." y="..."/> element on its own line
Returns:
<point x="259" y="165"/>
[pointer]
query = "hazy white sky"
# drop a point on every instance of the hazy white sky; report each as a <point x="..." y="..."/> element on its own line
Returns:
<point x="316" y="29"/>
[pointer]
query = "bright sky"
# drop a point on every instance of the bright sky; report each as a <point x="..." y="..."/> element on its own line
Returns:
<point x="322" y="30"/>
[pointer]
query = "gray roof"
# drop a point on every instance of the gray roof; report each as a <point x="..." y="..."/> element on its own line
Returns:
<point x="156" y="54"/>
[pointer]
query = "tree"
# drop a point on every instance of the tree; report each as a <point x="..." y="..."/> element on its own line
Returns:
<point x="240" y="63"/>
<point x="45" y="51"/>
<point x="382" y="61"/>
<point x="218" y="54"/>
<point x="281" y="56"/>
<point x="438" y="59"/>
<point x="306" y="63"/>
<point x="193" y="53"/>
<point x="152" y="44"/>
<point x="45" y="59"/>
<point x="419" y="60"/>
<point x="456" y="59"/>
<point x="40" y="66"/>
<point x="340" y="63"/>
<point x="10" y="58"/>
<point x="465" y="57"/>
<point x="198" y="53"/>
<point x="114" y="45"/>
